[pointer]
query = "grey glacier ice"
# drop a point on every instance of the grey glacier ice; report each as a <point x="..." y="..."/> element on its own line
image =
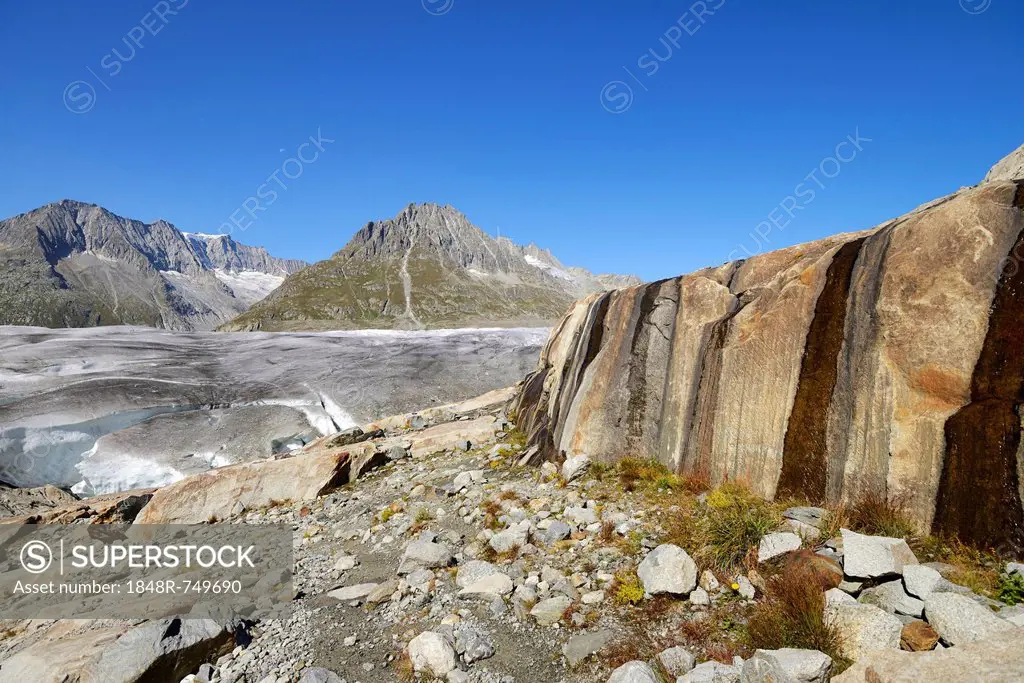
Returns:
<point x="114" y="408"/>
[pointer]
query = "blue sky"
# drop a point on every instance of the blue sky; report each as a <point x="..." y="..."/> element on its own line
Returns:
<point x="502" y="110"/>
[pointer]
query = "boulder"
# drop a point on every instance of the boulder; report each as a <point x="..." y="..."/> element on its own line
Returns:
<point x="319" y="674"/>
<point x="960" y="620"/>
<point x="711" y="672"/>
<point x="110" y="508"/>
<point x="575" y="467"/>
<point x="489" y="587"/>
<point x="872" y="557"/>
<point x="580" y="515"/>
<point x="918" y="636"/>
<point x="581" y="646"/>
<point x="811" y="516"/>
<point x="511" y="538"/>
<point x="452" y="435"/>
<point x="803" y="666"/>
<point x="356" y="592"/>
<point x="423" y="554"/>
<point x="863" y="628"/>
<point x="776" y="544"/>
<point x="668" y="569"/>
<point x="858" y="351"/>
<point x="431" y="652"/>
<point x="920" y="581"/>
<point x="676" y="661"/>
<point x="550" y="611"/>
<point x="161" y="650"/>
<point x="211" y="495"/>
<point x="997" y="659"/>
<point x="891" y="597"/>
<point x="558" y="531"/>
<point x="474" y="570"/>
<point x="634" y="672"/>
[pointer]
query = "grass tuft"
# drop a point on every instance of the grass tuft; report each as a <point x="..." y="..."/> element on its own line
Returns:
<point x="877" y="515"/>
<point x="792" y="614"/>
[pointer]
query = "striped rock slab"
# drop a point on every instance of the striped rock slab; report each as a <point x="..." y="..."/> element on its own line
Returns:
<point x="887" y="362"/>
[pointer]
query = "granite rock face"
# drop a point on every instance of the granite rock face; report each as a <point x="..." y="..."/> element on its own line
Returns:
<point x="883" y="363"/>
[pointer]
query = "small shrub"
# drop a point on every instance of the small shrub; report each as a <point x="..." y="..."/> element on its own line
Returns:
<point x="835" y="519"/>
<point x="423" y="515"/>
<point x="734" y="522"/>
<point x="876" y="514"/>
<point x="793" y="615"/>
<point x="404" y="670"/>
<point x="972" y="567"/>
<point x="1011" y="589"/>
<point x="627" y="588"/>
<point x="633" y="472"/>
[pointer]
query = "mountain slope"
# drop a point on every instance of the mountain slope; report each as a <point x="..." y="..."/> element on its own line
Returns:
<point x="427" y="267"/>
<point x="71" y="264"/>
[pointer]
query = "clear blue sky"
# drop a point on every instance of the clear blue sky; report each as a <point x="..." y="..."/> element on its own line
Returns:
<point x="496" y="107"/>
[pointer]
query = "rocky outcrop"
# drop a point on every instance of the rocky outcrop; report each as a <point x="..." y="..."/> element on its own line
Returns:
<point x="219" y="493"/>
<point x="163" y="650"/>
<point x="1008" y="168"/>
<point x="884" y="362"/>
<point x="996" y="659"/>
<point x="426" y="267"/>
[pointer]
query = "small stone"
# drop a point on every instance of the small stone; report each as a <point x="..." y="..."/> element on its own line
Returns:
<point x="917" y="636"/>
<point x="592" y="598"/>
<point x="356" y="592"/>
<point x="668" y="569"/>
<point x="773" y="545"/>
<point x="345" y="563"/>
<point x="746" y="588"/>
<point x="677" y="661"/>
<point x="557" y="531"/>
<point x="581" y="516"/>
<point x="1015" y="568"/>
<point x="708" y="581"/>
<point x="700" y="597"/>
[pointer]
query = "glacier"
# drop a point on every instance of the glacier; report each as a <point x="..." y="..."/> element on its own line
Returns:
<point x="114" y="408"/>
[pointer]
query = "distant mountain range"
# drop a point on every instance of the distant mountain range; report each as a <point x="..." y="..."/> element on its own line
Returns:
<point x="428" y="267"/>
<point x="71" y="264"/>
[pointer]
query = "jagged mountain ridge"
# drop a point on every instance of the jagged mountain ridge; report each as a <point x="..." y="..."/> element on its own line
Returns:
<point x="427" y="267"/>
<point x="72" y="264"/>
